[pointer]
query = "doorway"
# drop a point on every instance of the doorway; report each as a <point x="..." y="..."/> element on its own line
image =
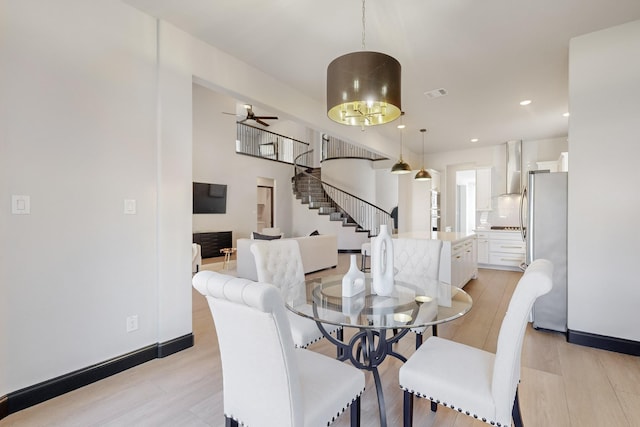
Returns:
<point x="465" y="200"/>
<point x="264" y="204"/>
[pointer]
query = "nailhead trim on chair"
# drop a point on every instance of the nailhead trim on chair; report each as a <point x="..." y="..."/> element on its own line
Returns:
<point x="308" y="344"/>
<point x="314" y="341"/>
<point x="333" y="419"/>
<point x="342" y="412"/>
<point x="422" y="396"/>
<point x="234" y="419"/>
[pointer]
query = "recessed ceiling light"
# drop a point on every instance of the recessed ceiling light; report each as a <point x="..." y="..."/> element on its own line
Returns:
<point x="401" y="126"/>
<point x="525" y="102"/>
<point x="565" y="114"/>
<point x="474" y="140"/>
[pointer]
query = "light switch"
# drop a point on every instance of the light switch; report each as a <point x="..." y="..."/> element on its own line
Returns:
<point x="129" y="206"/>
<point x="20" y="205"/>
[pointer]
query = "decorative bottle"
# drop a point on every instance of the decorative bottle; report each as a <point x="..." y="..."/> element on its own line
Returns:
<point x="382" y="263"/>
<point x="353" y="281"/>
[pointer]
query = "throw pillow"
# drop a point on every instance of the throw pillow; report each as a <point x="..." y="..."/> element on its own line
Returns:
<point x="314" y="233"/>
<point x="258" y="236"/>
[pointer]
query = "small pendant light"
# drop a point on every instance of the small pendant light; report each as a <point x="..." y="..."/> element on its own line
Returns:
<point x="422" y="174"/>
<point x="401" y="167"/>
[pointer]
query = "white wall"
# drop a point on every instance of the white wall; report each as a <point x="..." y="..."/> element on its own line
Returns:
<point x="386" y="188"/>
<point x="78" y="119"/>
<point x="355" y="176"/>
<point x="604" y="200"/>
<point x="174" y="153"/>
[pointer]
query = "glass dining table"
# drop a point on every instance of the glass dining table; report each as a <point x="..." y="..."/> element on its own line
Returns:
<point x="379" y="321"/>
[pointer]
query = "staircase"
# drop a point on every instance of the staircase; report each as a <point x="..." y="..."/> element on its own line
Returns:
<point x="339" y="205"/>
<point x="307" y="186"/>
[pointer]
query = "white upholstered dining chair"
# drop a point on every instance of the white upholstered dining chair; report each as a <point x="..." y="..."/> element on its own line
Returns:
<point x="279" y="262"/>
<point x="475" y="382"/>
<point x="268" y="382"/>
<point x="417" y="262"/>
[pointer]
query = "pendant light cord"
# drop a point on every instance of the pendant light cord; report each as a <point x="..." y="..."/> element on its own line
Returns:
<point x="423" y="132"/>
<point x="363" y="25"/>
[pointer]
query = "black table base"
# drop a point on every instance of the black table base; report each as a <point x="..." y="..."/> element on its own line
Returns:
<point x="366" y="350"/>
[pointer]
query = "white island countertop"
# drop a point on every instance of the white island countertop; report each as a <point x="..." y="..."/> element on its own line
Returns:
<point x="445" y="236"/>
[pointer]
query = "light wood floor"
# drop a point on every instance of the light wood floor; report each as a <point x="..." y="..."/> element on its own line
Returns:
<point x="562" y="384"/>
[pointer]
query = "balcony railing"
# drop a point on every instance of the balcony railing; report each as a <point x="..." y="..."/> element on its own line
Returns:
<point x="335" y="148"/>
<point x="257" y="142"/>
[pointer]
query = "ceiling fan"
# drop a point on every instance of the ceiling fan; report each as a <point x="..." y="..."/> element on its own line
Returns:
<point x="252" y="116"/>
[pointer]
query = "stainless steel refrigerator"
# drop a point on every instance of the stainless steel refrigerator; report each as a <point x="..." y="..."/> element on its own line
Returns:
<point x="543" y="216"/>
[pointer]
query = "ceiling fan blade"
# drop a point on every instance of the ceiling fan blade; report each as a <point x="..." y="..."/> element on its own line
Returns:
<point x="232" y="114"/>
<point x="257" y="119"/>
<point x="242" y="121"/>
<point x="266" y="117"/>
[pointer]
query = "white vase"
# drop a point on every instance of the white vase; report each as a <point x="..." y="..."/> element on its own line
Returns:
<point x="382" y="263"/>
<point x="353" y="281"/>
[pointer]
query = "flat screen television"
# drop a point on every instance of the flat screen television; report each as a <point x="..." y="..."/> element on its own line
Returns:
<point x="209" y="198"/>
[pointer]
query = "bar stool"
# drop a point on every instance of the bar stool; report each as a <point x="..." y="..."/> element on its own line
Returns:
<point x="365" y="250"/>
<point x="227" y="256"/>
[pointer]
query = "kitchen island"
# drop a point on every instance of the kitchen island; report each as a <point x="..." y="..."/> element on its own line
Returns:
<point x="458" y="259"/>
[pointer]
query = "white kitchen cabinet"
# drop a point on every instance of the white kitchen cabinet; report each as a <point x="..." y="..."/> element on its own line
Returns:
<point x="563" y="162"/>
<point x="506" y="250"/>
<point x="458" y="261"/>
<point x="482" y="243"/>
<point x="483" y="189"/>
<point x="551" y="165"/>
<point x="469" y="259"/>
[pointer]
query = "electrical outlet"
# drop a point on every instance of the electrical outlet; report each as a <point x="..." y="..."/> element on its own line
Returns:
<point x="132" y="323"/>
<point x="130" y="206"/>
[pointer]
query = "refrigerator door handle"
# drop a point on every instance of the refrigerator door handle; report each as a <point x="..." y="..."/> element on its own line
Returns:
<point x="523" y="230"/>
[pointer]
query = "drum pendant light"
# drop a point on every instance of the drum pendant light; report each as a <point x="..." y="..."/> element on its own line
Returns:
<point x="363" y="88"/>
<point x="422" y="174"/>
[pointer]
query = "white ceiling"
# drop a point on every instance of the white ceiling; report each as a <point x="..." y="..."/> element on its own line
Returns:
<point x="489" y="55"/>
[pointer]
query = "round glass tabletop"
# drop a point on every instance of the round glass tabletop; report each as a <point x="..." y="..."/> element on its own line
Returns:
<point x="406" y="307"/>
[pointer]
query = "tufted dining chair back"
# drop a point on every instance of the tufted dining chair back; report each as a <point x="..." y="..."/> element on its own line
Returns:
<point x="279" y="262"/>
<point x="418" y="262"/>
<point x="266" y="380"/>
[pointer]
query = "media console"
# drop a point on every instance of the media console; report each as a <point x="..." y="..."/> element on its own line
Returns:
<point x="212" y="242"/>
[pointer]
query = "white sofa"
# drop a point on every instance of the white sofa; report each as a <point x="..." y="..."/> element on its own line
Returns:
<point x="318" y="253"/>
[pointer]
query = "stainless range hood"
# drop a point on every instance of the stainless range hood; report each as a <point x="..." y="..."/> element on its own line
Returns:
<point x="514" y="167"/>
